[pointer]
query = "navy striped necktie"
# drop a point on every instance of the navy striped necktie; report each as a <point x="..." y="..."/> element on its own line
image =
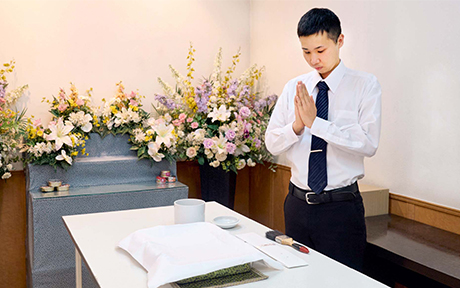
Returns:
<point x="317" y="170"/>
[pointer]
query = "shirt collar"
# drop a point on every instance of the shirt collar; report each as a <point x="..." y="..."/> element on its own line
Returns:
<point x="332" y="81"/>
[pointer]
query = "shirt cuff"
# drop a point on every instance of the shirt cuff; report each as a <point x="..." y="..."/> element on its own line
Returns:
<point x="290" y="134"/>
<point x="319" y="127"/>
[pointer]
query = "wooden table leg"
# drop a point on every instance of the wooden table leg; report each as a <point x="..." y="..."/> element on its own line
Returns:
<point x="78" y="269"/>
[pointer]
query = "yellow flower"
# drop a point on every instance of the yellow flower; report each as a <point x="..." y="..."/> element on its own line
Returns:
<point x="73" y="154"/>
<point x="114" y="109"/>
<point x="40" y="133"/>
<point x="83" y="151"/>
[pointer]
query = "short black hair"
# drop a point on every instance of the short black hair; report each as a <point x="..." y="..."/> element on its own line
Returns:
<point x="319" y="20"/>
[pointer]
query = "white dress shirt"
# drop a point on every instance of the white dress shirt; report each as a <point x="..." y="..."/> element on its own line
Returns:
<point x="352" y="130"/>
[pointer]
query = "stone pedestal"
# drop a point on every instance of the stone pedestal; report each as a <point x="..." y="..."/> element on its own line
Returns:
<point x="111" y="178"/>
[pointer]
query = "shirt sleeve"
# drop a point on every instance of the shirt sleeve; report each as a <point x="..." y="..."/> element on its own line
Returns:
<point x="280" y="136"/>
<point x="361" y="138"/>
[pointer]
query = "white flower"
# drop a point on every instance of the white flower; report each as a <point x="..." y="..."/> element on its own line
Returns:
<point x="149" y="122"/>
<point x="221" y="157"/>
<point x="168" y="117"/>
<point x="133" y="116"/>
<point x="191" y="152"/>
<point x="208" y="153"/>
<point x="9" y="167"/>
<point x="220" y="114"/>
<point x="214" y="164"/>
<point x="139" y="135"/>
<point x="107" y="111"/>
<point x="241" y="150"/>
<point x="213" y="99"/>
<point x="153" y="151"/>
<point x="65" y="157"/>
<point x="221" y="144"/>
<point x="251" y="163"/>
<point x="241" y="164"/>
<point x="81" y="119"/>
<point x="199" y="135"/>
<point x="59" y="133"/>
<point x="6" y="175"/>
<point x="164" y="134"/>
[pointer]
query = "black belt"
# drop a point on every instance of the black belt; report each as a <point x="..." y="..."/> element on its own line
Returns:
<point x="340" y="194"/>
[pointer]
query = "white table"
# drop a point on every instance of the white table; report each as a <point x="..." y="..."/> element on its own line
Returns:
<point x="96" y="237"/>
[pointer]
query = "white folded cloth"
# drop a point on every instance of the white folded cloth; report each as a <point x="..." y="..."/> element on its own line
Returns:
<point x="176" y="252"/>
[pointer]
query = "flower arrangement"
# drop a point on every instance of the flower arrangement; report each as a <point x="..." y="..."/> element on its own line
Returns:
<point x="64" y="137"/>
<point x="122" y="113"/>
<point x="12" y="124"/>
<point x="222" y="121"/>
<point x="155" y="140"/>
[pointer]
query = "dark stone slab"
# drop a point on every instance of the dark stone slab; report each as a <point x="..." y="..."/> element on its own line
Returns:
<point x="426" y="250"/>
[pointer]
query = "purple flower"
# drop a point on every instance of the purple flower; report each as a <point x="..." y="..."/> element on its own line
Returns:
<point x="2" y="89"/>
<point x="230" y="134"/>
<point x="231" y="90"/>
<point x="168" y="103"/>
<point x="257" y="142"/>
<point x="202" y="96"/>
<point x="245" y="112"/>
<point x="207" y="143"/>
<point x="231" y="148"/>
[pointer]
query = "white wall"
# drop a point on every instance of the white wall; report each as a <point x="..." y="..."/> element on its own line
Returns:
<point x="98" y="43"/>
<point x="413" y="48"/>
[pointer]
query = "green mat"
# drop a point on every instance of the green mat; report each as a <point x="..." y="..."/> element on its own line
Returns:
<point x="235" y="275"/>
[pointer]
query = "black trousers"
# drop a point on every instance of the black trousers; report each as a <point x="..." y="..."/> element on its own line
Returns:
<point x="335" y="229"/>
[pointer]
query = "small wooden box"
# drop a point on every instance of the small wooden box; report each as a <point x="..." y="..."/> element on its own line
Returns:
<point x="375" y="199"/>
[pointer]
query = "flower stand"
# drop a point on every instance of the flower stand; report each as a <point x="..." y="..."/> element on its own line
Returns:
<point x="218" y="185"/>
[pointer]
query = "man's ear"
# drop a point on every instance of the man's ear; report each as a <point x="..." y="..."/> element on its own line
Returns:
<point x="340" y="40"/>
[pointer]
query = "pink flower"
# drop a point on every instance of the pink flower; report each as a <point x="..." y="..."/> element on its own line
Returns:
<point x="189" y="119"/>
<point x="245" y="112"/>
<point x="38" y="122"/>
<point x="231" y="148"/>
<point x="2" y="101"/>
<point x="159" y="121"/>
<point x="62" y="106"/>
<point x="132" y="95"/>
<point x="182" y="117"/>
<point x="194" y="125"/>
<point x="62" y="94"/>
<point x="133" y="102"/>
<point x="176" y="122"/>
<point x="80" y="102"/>
<point x="207" y="143"/>
<point x="230" y="134"/>
<point x="258" y="121"/>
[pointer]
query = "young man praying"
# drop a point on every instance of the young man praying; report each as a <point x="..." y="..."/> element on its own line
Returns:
<point x="326" y="122"/>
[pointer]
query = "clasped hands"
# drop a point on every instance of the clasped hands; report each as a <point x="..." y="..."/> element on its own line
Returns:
<point x="305" y="109"/>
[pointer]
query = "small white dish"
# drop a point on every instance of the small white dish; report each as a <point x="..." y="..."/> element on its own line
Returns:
<point x="226" y="222"/>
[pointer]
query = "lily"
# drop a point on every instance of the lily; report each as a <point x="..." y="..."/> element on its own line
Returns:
<point x="220" y="114"/>
<point x="65" y="157"/>
<point x="60" y="133"/>
<point x="164" y="134"/>
<point x="153" y="151"/>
